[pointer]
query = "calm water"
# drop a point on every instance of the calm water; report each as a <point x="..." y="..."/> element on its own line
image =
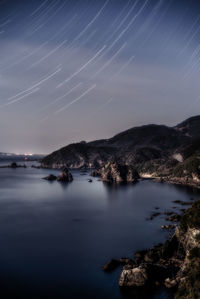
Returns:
<point x="54" y="238"/>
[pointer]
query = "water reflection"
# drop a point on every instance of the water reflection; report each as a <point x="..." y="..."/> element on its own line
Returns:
<point x="56" y="237"/>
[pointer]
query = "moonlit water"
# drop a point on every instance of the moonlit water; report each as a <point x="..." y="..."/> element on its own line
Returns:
<point x="54" y="238"/>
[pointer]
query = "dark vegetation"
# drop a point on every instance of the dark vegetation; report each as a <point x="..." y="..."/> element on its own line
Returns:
<point x="190" y="287"/>
<point x="191" y="217"/>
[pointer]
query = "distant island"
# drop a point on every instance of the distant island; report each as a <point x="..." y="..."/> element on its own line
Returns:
<point x="152" y="151"/>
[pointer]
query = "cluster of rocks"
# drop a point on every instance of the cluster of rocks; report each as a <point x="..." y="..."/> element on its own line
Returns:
<point x="153" y="215"/>
<point x="171" y="216"/>
<point x="169" y="226"/>
<point x="65" y="176"/>
<point x="174" y="264"/>
<point x="156" y="266"/>
<point x="114" y="172"/>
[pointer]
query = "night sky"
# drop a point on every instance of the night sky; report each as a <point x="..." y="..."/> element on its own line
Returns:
<point x="84" y="69"/>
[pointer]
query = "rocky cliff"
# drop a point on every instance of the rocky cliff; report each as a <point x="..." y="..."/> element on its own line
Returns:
<point x="114" y="172"/>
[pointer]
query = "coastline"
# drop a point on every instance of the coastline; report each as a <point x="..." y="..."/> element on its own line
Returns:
<point x="173" y="264"/>
<point x="178" y="181"/>
<point x="149" y="262"/>
<point x="144" y="176"/>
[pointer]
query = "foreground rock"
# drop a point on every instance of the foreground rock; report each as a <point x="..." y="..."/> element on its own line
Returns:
<point x="65" y="176"/>
<point x="153" y="266"/>
<point x="136" y="277"/>
<point x="174" y="264"/>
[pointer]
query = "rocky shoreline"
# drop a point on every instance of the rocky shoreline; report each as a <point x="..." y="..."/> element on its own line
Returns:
<point x="174" y="264"/>
<point x="178" y="181"/>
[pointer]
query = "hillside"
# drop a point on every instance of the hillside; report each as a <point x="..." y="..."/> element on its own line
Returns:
<point x="152" y="149"/>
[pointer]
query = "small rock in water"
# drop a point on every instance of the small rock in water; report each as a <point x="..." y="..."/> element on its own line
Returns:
<point x="111" y="265"/>
<point x="50" y="177"/>
<point x="154" y="215"/>
<point x="14" y="165"/>
<point x="173" y="218"/>
<point x="168" y="226"/>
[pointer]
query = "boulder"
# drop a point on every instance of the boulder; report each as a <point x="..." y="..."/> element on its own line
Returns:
<point x="170" y="283"/>
<point x="136" y="277"/>
<point x="65" y="176"/>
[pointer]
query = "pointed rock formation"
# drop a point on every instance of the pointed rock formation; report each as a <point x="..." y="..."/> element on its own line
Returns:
<point x="117" y="173"/>
<point x="65" y="176"/>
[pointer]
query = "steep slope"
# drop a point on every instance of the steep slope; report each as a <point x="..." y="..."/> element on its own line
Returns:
<point x="190" y="127"/>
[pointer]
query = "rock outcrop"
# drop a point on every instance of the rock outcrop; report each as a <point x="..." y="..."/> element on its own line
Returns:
<point x="65" y="176"/>
<point x="117" y="173"/>
<point x="135" y="277"/>
<point x="174" y="264"/>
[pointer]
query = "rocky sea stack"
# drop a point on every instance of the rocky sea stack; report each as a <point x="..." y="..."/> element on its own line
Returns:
<point x="65" y="176"/>
<point x="114" y="172"/>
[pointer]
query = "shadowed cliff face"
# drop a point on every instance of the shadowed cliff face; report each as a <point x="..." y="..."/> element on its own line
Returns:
<point x="150" y="149"/>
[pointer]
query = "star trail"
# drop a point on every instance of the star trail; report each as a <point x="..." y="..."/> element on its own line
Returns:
<point x="82" y="70"/>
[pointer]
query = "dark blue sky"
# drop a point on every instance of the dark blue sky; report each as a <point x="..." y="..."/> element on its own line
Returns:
<point x="82" y="70"/>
